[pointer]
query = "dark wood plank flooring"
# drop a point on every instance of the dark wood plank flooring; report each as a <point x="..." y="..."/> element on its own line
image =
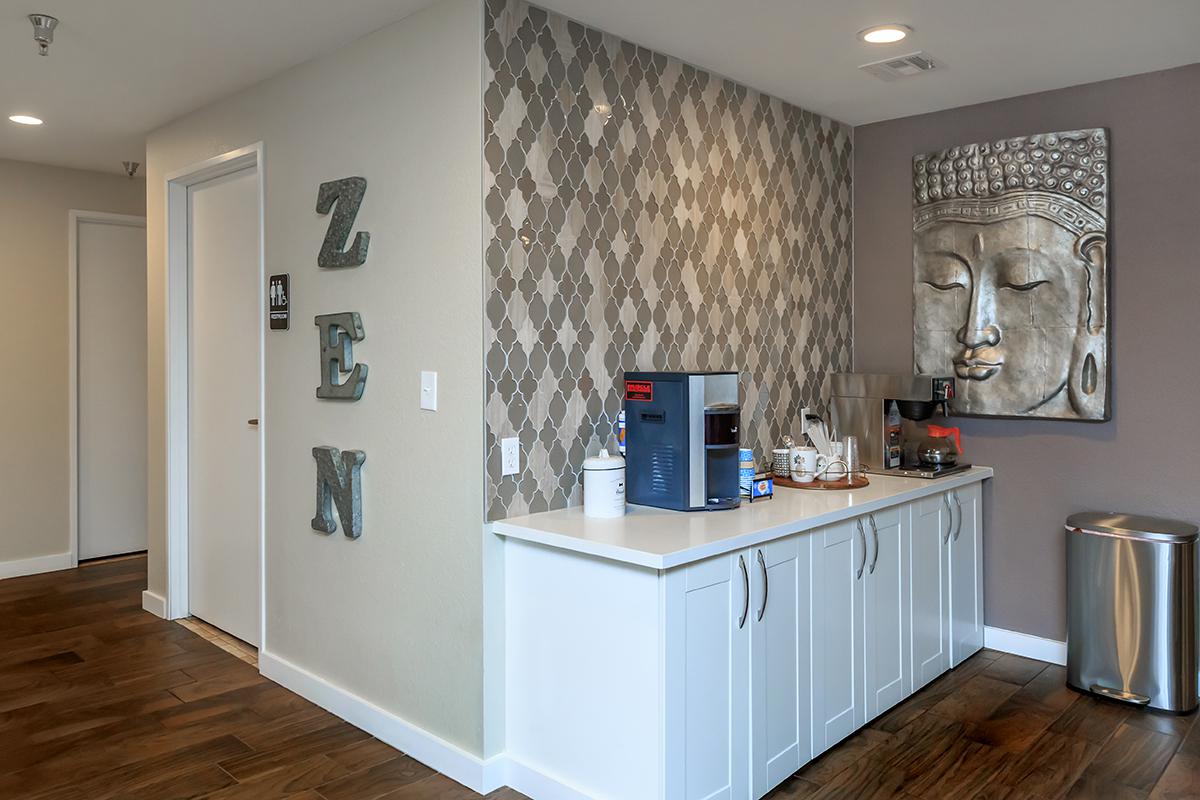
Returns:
<point x="102" y="701"/>
<point x="1002" y="727"/>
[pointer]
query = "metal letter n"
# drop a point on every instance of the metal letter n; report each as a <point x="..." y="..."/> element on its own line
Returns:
<point x="339" y="482"/>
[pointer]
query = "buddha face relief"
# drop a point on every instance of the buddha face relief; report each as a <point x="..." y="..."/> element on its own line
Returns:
<point x="1010" y="275"/>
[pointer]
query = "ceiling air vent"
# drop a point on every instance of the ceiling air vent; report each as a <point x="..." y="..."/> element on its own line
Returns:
<point x="891" y="69"/>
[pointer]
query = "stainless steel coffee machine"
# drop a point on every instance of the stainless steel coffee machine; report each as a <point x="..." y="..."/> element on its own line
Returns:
<point x="874" y="407"/>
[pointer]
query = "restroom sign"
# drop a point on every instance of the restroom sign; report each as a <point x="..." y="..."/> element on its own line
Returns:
<point x="280" y="300"/>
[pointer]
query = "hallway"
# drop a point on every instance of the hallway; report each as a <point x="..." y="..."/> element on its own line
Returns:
<point x="100" y="700"/>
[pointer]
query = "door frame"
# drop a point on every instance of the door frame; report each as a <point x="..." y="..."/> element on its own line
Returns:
<point x="74" y="219"/>
<point x="178" y="353"/>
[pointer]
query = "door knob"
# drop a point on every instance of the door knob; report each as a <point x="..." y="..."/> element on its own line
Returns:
<point x="253" y="422"/>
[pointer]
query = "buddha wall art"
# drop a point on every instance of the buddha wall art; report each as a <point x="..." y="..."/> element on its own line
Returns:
<point x="1010" y="274"/>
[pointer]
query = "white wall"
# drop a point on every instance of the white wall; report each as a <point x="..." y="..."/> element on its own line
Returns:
<point x="34" y="473"/>
<point x="395" y="617"/>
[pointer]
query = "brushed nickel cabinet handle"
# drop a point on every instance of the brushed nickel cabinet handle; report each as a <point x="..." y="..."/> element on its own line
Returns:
<point x="746" y="590"/>
<point x="858" y="574"/>
<point x="875" y="536"/>
<point x="950" y="517"/>
<point x="762" y="563"/>
<point x="958" y="503"/>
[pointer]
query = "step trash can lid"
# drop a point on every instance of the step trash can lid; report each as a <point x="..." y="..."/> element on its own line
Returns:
<point x="1133" y="526"/>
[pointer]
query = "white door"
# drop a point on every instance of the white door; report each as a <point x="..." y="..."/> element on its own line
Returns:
<point x="966" y="574"/>
<point x="224" y="396"/>
<point x="886" y="611"/>
<point x="111" y="383"/>
<point x="929" y="588"/>
<point x="839" y="564"/>
<point x="708" y="663"/>
<point x="780" y="660"/>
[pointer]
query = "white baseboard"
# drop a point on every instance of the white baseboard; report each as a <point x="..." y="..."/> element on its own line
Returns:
<point x="539" y="785"/>
<point x="477" y="774"/>
<point x="1024" y="644"/>
<point x="34" y="566"/>
<point x="156" y="604"/>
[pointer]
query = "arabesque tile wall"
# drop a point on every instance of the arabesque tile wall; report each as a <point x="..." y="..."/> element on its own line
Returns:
<point x="645" y="214"/>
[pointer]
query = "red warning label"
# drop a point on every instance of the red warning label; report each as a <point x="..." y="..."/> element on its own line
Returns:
<point x="639" y="390"/>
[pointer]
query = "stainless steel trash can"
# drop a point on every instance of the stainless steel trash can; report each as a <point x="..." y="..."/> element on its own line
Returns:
<point x="1131" y="609"/>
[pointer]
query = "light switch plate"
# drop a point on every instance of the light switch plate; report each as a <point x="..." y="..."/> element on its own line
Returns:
<point x="510" y="456"/>
<point x="429" y="391"/>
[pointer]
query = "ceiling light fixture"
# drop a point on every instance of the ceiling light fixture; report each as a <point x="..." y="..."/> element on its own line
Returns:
<point x="24" y="119"/>
<point x="43" y="31"/>
<point x="884" y="34"/>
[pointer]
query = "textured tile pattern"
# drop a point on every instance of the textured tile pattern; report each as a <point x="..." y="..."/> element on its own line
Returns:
<point x="644" y="214"/>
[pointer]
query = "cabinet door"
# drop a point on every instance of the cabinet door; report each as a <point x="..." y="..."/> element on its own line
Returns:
<point x="839" y="564"/>
<point x="709" y="613"/>
<point x="929" y="588"/>
<point x="885" y="630"/>
<point x="780" y="663"/>
<point x="966" y="574"/>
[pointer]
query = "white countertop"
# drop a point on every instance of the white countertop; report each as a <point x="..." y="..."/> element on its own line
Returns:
<point x="661" y="539"/>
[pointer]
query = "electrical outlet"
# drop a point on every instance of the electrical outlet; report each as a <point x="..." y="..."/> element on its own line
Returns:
<point x="510" y="456"/>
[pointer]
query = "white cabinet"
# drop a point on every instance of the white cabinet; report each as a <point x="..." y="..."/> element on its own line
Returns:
<point x="860" y="623"/>
<point x="929" y="588"/>
<point x="708" y="611"/>
<point x="717" y="679"/>
<point x="738" y="662"/>
<point x="886" y="611"/>
<point x="780" y="660"/>
<point x="966" y="573"/>
<point x="946" y="555"/>
<point x="839" y="563"/>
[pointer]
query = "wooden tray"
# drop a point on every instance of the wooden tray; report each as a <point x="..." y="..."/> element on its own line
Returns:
<point x="858" y="482"/>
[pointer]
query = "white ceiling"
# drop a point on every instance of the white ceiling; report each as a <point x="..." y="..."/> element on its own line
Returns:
<point x="806" y="51"/>
<point x="120" y="68"/>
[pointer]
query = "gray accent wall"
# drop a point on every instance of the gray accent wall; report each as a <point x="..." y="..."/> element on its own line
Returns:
<point x="641" y="213"/>
<point x="1145" y="459"/>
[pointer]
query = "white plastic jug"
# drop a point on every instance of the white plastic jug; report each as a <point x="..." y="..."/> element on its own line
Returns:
<point x="604" y="486"/>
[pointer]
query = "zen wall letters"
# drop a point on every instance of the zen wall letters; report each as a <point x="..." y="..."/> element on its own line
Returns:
<point x="348" y="196"/>
<point x="339" y="472"/>
<point x="338" y="333"/>
<point x="339" y="482"/>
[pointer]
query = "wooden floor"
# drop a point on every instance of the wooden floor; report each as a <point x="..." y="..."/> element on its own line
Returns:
<point x="102" y="701"/>
<point x="1002" y="727"/>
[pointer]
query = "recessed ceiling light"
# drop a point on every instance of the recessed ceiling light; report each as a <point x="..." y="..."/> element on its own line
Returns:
<point x="24" y="119"/>
<point x="884" y="34"/>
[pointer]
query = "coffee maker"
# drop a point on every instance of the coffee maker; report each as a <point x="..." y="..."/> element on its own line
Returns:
<point x="881" y="411"/>
<point x="681" y="439"/>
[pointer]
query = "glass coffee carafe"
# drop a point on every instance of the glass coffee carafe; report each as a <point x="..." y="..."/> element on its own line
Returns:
<point x="940" y="446"/>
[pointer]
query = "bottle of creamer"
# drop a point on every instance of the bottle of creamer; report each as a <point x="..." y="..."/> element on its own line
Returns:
<point x="604" y="486"/>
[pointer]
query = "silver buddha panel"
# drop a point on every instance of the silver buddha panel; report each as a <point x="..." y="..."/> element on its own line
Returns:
<point x="1010" y="283"/>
